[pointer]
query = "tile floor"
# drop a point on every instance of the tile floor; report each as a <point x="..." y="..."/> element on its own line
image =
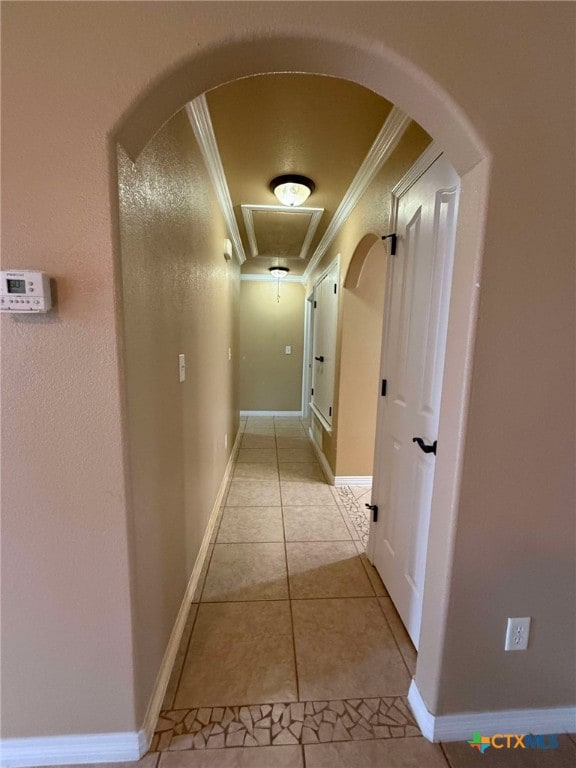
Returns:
<point x="293" y="655"/>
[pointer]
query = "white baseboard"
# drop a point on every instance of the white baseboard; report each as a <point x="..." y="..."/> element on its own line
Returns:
<point x="69" y="750"/>
<point x="462" y="726"/>
<point x="326" y="468"/>
<point x="163" y="678"/>
<point x="296" y="414"/>
<point x="117" y="747"/>
<point x="364" y="481"/>
<point x="361" y="480"/>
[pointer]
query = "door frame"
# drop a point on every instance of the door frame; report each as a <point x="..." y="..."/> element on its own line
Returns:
<point x="307" y="355"/>
<point x="334" y="264"/>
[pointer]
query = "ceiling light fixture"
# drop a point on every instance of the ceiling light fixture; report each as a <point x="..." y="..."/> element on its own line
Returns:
<point x="291" y="189"/>
<point x="278" y="271"/>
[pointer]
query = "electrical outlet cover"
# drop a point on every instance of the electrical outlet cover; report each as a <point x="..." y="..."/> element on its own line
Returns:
<point x="517" y="632"/>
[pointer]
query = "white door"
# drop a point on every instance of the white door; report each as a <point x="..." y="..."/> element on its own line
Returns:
<point x="324" y="344"/>
<point x="414" y="341"/>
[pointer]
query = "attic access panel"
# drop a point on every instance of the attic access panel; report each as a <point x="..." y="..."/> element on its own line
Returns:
<point x="278" y="231"/>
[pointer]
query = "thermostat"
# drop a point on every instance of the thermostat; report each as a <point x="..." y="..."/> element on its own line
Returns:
<point x="22" y="290"/>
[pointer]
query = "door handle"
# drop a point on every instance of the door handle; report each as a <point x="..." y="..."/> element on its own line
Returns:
<point x="425" y="448"/>
<point x="320" y="359"/>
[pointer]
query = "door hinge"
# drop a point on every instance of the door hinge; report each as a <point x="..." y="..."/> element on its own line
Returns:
<point x="312" y="390"/>
<point x="374" y="509"/>
<point x="315" y="304"/>
<point x="384" y="387"/>
<point x="335" y="287"/>
<point x="393" y="240"/>
<point x="330" y="411"/>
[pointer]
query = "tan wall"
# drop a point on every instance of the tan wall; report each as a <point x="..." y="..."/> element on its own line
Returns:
<point x="358" y="387"/>
<point x="72" y="73"/>
<point x="178" y="298"/>
<point x="271" y="380"/>
<point x="342" y="447"/>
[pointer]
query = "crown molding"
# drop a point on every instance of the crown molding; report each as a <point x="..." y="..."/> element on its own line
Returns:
<point x="384" y="144"/>
<point x="247" y="213"/>
<point x="429" y="156"/>
<point x="199" y="117"/>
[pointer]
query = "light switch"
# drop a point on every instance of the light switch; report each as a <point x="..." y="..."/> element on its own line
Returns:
<point x="288" y="350"/>
<point x="181" y="367"/>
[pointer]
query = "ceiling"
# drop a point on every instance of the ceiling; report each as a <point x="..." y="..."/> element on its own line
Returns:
<point x="269" y="125"/>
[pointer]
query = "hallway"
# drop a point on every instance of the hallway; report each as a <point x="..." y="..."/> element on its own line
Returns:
<point x="291" y="644"/>
<point x="293" y="655"/>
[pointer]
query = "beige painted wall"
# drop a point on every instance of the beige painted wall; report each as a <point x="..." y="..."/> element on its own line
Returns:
<point x="178" y="297"/>
<point x="271" y="380"/>
<point x="346" y="453"/>
<point x="73" y="74"/>
<point x="358" y="386"/>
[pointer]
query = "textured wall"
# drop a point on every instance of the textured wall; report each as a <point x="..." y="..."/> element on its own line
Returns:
<point x="271" y="380"/>
<point x="177" y="298"/>
<point x="73" y="75"/>
<point x="360" y="348"/>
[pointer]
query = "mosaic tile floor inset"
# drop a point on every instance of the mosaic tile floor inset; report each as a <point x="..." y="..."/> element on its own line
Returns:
<point x="357" y="512"/>
<point x="262" y="725"/>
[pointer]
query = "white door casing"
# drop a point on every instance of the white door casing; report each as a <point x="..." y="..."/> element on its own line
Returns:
<point x="308" y="357"/>
<point x="325" y="322"/>
<point x="414" y="341"/>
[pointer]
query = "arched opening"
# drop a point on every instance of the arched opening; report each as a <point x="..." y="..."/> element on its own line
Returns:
<point x="398" y="81"/>
<point x="356" y="266"/>
<point x="361" y="341"/>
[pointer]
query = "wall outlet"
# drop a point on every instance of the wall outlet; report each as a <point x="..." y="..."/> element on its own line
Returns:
<point x="288" y="349"/>
<point x="181" y="367"/>
<point x="517" y="633"/>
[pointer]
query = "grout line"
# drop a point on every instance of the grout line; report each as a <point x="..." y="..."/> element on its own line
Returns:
<point x="220" y="518"/>
<point x="290" y="541"/>
<point x="289" y="596"/>
<point x="394" y="635"/>
<point x="186" y="651"/>
<point x="448" y="763"/>
<point x="268" y="541"/>
<point x="287" y="701"/>
<point x="213" y="547"/>
<point x="283" y="599"/>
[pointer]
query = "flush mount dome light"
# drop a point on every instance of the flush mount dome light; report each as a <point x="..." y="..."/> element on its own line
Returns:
<point x="291" y="189"/>
<point x="278" y="271"/>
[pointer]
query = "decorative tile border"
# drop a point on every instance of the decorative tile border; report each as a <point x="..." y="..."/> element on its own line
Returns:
<point x="358" y="515"/>
<point x="261" y="725"/>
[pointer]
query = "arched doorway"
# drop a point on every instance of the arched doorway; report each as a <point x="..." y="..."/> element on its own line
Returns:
<point x="398" y="81"/>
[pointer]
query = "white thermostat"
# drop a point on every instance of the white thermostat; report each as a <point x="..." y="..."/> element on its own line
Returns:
<point x="22" y="290"/>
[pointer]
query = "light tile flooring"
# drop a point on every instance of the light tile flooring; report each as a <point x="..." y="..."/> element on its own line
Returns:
<point x="293" y="655"/>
